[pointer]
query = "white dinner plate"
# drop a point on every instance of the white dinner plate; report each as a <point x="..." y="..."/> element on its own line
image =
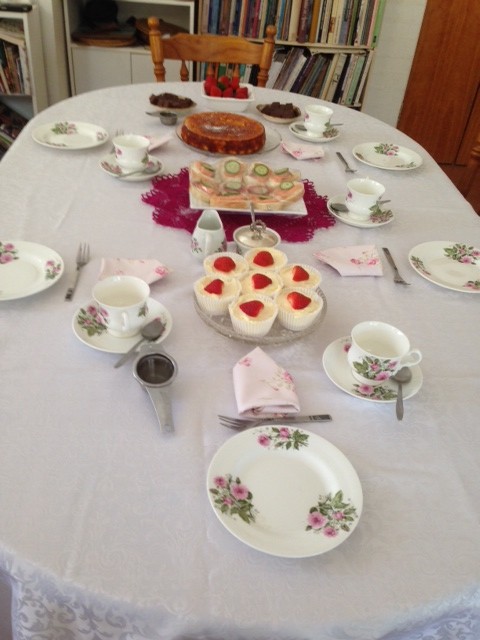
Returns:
<point x="110" y="165"/>
<point x="300" y="131"/>
<point x="336" y="367"/>
<point x="377" y="219"/>
<point x="179" y="111"/>
<point x="285" y="491"/>
<point x="272" y="141"/>
<point x="452" y="265"/>
<point x="387" y="155"/>
<point x="70" y="135"/>
<point x="91" y="330"/>
<point x="27" y="268"/>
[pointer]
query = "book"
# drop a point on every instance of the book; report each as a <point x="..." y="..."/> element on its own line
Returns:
<point x="373" y="36"/>
<point x="298" y="74"/>
<point x="349" y="99"/>
<point x="224" y="17"/>
<point x="295" y="66"/>
<point x="339" y="60"/>
<point x="363" y="78"/>
<point x="214" y="16"/>
<point x="316" y="89"/>
<point x="305" y="74"/>
<point x="11" y="124"/>
<point x="325" y="21"/>
<point x="277" y="63"/>
<point x="305" y="20"/>
<point x="315" y="18"/>
<point x="348" y="77"/>
<point x="345" y="22"/>
<point x="294" y="20"/>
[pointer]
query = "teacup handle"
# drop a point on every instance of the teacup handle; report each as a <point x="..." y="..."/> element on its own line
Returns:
<point x="412" y="358"/>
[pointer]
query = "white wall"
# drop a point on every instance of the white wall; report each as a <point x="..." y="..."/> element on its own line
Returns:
<point x="393" y="59"/>
<point x="53" y="39"/>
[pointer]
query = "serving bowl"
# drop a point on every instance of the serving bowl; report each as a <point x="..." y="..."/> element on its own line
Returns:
<point x="233" y="105"/>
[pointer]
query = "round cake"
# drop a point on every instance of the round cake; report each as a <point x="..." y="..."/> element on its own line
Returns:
<point x="226" y="133"/>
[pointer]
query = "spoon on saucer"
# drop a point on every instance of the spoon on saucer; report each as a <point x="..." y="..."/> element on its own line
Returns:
<point x="147" y="171"/>
<point x="151" y="331"/>
<point x="342" y="208"/>
<point x="402" y="376"/>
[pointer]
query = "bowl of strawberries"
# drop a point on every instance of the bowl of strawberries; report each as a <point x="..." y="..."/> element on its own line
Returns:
<point x="227" y="94"/>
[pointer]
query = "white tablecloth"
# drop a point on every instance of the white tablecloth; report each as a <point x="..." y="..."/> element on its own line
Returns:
<point x="106" y="530"/>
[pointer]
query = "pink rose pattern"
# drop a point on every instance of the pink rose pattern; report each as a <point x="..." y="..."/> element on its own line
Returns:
<point x="8" y="253"/>
<point x="329" y="516"/>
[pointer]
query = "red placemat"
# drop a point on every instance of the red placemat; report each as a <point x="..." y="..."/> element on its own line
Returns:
<point x="170" y="199"/>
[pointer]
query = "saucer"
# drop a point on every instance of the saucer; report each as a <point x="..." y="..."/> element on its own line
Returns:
<point x="338" y="370"/>
<point x="299" y="130"/>
<point x="94" y="333"/>
<point x="377" y="218"/>
<point x="109" y="165"/>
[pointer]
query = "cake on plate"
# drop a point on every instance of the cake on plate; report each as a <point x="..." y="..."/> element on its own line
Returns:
<point x="215" y="293"/>
<point x="225" y="263"/>
<point x="223" y="133"/>
<point x="298" y="308"/>
<point x="300" y="275"/>
<point x="253" y="314"/>
<point x="263" y="259"/>
<point x="267" y="284"/>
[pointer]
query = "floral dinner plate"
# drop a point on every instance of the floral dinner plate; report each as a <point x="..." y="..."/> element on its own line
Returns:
<point x="90" y="328"/>
<point x="284" y="491"/>
<point x="452" y="265"/>
<point x="27" y="268"/>
<point x="70" y="135"/>
<point x="338" y="370"/>
<point x="386" y="155"/>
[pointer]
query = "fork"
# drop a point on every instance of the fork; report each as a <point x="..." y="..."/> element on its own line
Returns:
<point x="396" y="277"/>
<point x="348" y="169"/>
<point x="242" y="423"/>
<point x="83" y="256"/>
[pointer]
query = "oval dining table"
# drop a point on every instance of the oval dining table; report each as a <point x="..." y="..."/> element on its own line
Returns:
<point x="106" y="527"/>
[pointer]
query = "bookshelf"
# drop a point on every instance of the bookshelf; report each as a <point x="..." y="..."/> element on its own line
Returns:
<point x="93" y="66"/>
<point x="324" y="47"/>
<point x="23" y="83"/>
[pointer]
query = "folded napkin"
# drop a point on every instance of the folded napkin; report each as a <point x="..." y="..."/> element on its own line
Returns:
<point x="262" y="387"/>
<point x="157" y="141"/>
<point x="148" y="270"/>
<point x="361" y="260"/>
<point x="303" y="151"/>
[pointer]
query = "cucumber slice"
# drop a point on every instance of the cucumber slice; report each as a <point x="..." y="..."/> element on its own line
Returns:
<point x="286" y="185"/>
<point x="208" y="167"/>
<point x="232" y="167"/>
<point x="261" y="170"/>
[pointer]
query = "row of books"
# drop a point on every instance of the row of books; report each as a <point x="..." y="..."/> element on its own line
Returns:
<point x="337" y="77"/>
<point x="329" y="22"/>
<point x="14" y="69"/>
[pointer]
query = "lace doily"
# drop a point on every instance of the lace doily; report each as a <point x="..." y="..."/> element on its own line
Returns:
<point x="170" y="199"/>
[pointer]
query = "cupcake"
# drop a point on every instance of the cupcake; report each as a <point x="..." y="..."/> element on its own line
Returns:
<point x="215" y="293"/>
<point x="298" y="308"/>
<point x="265" y="259"/>
<point x="265" y="283"/>
<point x="225" y="264"/>
<point x="253" y="315"/>
<point x="300" y="275"/>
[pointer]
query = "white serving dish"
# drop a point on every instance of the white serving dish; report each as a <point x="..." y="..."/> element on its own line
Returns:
<point x="232" y="105"/>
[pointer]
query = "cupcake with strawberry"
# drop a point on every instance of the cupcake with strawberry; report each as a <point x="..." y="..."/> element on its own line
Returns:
<point x="300" y="275"/>
<point x="298" y="307"/>
<point x="261" y="259"/>
<point x="253" y="315"/>
<point x="214" y="293"/>
<point x="226" y="264"/>
<point x="267" y="284"/>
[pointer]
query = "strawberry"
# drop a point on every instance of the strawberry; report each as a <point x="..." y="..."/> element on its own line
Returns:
<point x="228" y="92"/>
<point x="252" y="308"/>
<point x="263" y="259"/>
<point x="225" y="264"/>
<point x="215" y="286"/>
<point x="298" y="300"/>
<point x="299" y="274"/>
<point x="260" y="281"/>
<point x="241" y="93"/>
<point x="215" y="91"/>
<point x="235" y="82"/>
<point x="225" y="81"/>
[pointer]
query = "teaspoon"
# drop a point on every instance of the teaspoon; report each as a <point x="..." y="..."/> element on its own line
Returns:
<point x="402" y="376"/>
<point x="151" y="331"/>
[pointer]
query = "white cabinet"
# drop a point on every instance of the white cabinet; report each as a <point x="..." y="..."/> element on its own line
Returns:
<point x="94" y="67"/>
<point x="25" y="26"/>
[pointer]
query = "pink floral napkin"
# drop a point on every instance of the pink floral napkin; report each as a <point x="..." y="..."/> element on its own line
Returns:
<point x="148" y="270"/>
<point x="262" y="387"/>
<point x="303" y="151"/>
<point x="361" y="260"/>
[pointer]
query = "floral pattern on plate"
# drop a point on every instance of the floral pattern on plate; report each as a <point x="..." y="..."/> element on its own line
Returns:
<point x="452" y="265"/>
<point x="284" y="491"/>
<point x="70" y="135"/>
<point x="387" y="155"/>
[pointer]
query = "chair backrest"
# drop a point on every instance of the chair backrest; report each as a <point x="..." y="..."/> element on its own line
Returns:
<point x="211" y="49"/>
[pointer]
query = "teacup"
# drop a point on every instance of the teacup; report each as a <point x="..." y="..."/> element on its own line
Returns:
<point x="131" y="151"/>
<point x="378" y="351"/>
<point x="363" y="194"/>
<point x="209" y="235"/>
<point x="317" y="117"/>
<point x="122" y="302"/>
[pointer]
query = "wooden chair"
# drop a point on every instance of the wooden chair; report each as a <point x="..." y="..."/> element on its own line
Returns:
<point x="211" y="49"/>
